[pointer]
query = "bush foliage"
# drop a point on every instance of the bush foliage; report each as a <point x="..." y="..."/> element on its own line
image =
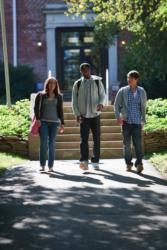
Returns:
<point x="22" y="82"/>
<point x="156" y="115"/>
<point x="16" y="121"/>
<point x="143" y="26"/>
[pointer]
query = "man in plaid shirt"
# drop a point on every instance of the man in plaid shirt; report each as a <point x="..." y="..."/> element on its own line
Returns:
<point x="130" y="111"/>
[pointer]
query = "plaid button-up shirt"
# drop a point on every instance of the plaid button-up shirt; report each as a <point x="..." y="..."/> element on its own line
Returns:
<point x="134" y="107"/>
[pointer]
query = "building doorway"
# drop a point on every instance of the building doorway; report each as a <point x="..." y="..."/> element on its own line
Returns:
<point x="74" y="46"/>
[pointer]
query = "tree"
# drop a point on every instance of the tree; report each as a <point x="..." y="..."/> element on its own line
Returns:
<point x="137" y="16"/>
<point x="146" y="20"/>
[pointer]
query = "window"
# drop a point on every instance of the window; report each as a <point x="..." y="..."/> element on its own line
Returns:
<point x="75" y="46"/>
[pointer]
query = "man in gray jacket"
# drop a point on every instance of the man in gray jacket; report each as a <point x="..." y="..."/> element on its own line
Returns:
<point x="88" y="97"/>
<point x="130" y="111"/>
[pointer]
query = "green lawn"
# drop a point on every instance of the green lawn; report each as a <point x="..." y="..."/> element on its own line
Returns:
<point x="159" y="160"/>
<point x="8" y="160"/>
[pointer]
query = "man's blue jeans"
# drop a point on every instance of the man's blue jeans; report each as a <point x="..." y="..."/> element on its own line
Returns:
<point x="134" y="132"/>
<point x="88" y="124"/>
<point x="48" y="131"/>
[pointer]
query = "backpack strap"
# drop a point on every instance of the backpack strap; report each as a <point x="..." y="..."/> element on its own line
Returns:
<point x="78" y="86"/>
<point x="97" y="83"/>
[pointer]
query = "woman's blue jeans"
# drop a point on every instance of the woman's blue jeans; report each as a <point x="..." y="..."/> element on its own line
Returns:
<point x="48" y="131"/>
<point x="134" y="132"/>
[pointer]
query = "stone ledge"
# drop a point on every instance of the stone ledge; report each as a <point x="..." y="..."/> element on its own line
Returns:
<point x="155" y="141"/>
<point x="152" y="141"/>
<point x="14" y="144"/>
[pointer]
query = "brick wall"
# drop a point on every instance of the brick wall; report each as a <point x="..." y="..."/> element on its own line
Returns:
<point x="30" y="30"/>
<point x="9" y="31"/>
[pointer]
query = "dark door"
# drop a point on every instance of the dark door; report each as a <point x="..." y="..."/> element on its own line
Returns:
<point x="75" y="46"/>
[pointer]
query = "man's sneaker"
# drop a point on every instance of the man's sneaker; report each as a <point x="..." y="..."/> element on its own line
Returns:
<point x="139" y="168"/>
<point x="95" y="165"/>
<point x="50" y="169"/>
<point x="42" y="168"/>
<point x="129" y="167"/>
<point x="83" y="165"/>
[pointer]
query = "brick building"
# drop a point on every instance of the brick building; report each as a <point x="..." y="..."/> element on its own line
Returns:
<point x="39" y="34"/>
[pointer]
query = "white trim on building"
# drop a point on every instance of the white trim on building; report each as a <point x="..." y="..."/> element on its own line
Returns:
<point x="55" y="18"/>
<point x="14" y="10"/>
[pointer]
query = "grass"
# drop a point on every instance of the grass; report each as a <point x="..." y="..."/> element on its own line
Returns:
<point x="8" y="160"/>
<point x="159" y="160"/>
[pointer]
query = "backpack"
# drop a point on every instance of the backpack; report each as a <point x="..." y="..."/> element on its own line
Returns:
<point x="79" y="83"/>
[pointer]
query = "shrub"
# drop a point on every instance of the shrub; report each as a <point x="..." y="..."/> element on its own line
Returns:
<point x="156" y="115"/>
<point x="22" y="81"/>
<point x="15" y="121"/>
<point x="157" y="108"/>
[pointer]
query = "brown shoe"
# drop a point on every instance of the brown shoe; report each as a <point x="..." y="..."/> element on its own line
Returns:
<point x="129" y="167"/>
<point x="83" y="165"/>
<point x="139" y="168"/>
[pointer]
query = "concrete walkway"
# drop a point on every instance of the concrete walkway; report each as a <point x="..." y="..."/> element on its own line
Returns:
<point x="109" y="209"/>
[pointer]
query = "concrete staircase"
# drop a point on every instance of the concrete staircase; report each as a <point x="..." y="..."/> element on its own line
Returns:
<point x="68" y="144"/>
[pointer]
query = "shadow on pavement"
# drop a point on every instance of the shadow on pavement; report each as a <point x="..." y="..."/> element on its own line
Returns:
<point x="88" y="218"/>
<point x="75" y="178"/>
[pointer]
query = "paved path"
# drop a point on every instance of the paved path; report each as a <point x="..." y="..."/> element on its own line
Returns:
<point x="109" y="209"/>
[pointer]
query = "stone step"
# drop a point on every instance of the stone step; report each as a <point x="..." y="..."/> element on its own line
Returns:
<point x="74" y="154"/>
<point x="68" y="144"/>
<point x="106" y="153"/>
<point x="69" y="149"/>
<point x="104" y="115"/>
<point x="104" y="144"/>
<point x="104" y="129"/>
<point x="76" y="138"/>
<point x="104" y="122"/>
<point x="68" y="109"/>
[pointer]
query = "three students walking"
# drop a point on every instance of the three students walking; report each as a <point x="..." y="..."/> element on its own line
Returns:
<point x="88" y="99"/>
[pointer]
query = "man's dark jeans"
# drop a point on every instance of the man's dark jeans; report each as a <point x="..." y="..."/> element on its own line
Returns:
<point x="134" y="132"/>
<point x="88" y="124"/>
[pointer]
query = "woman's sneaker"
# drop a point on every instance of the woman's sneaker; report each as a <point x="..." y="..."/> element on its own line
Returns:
<point x="83" y="165"/>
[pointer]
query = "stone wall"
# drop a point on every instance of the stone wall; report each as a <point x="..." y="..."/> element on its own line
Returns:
<point x="152" y="142"/>
<point x="155" y="141"/>
<point x="14" y="144"/>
